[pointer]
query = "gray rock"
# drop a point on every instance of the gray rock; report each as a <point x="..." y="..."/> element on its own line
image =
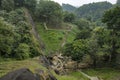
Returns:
<point x="21" y="74"/>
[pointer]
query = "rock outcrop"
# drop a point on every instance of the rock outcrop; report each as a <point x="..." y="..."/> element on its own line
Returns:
<point x="62" y="64"/>
<point x="21" y="74"/>
<point x="26" y="74"/>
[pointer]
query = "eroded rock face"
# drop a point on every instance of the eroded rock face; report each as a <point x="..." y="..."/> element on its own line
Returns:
<point x="62" y="64"/>
<point x="26" y="74"/>
<point x="21" y="74"/>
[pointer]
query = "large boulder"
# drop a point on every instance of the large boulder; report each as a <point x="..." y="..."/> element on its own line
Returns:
<point x="26" y="74"/>
<point x="21" y="74"/>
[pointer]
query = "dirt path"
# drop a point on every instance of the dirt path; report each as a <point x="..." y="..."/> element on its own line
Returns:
<point x="64" y="39"/>
<point x="90" y="77"/>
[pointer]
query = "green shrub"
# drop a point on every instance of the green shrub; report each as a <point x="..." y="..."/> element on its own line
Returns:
<point x="22" y="52"/>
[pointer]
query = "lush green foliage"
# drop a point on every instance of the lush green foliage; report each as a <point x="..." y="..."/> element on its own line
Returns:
<point x="83" y="34"/>
<point x="112" y="19"/>
<point x="22" y="52"/>
<point x="7" y="5"/>
<point x="83" y="24"/>
<point x="15" y="31"/>
<point x="31" y="4"/>
<point x="69" y="17"/>
<point x="68" y="7"/>
<point x="101" y="43"/>
<point x="77" y="49"/>
<point x="6" y="38"/>
<point x="93" y="11"/>
<point x="10" y="5"/>
<point x="19" y="3"/>
<point x="49" y="12"/>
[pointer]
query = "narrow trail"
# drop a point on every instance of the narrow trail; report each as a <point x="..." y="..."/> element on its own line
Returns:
<point x="64" y="39"/>
<point x="34" y="31"/>
<point x="91" y="78"/>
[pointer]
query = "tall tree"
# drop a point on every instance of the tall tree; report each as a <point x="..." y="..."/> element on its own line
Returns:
<point x="0" y="3"/>
<point x="49" y="12"/>
<point x="6" y="38"/>
<point x="77" y="49"/>
<point x="112" y="19"/>
<point x="82" y="24"/>
<point x="30" y="4"/>
<point x="69" y="17"/>
<point x="7" y="5"/>
<point x="19" y="3"/>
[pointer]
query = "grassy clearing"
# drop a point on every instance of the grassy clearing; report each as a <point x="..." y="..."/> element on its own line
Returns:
<point x="54" y="38"/>
<point x="104" y="73"/>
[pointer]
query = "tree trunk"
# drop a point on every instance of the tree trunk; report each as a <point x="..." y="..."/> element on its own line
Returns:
<point x="113" y="52"/>
<point x="94" y="63"/>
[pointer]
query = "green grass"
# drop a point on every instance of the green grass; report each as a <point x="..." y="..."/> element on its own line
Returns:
<point x="76" y="75"/>
<point x="33" y="64"/>
<point x="104" y="73"/>
<point x="54" y="38"/>
<point x="7" y="66"/>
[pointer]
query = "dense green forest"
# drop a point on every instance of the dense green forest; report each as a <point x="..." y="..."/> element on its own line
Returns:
<point x="98" y="36"/>
<point x="92" y="12"/>
<point x="89" y="34"/>
<point x="69" y="8"/>
<point x="17" y="40"/>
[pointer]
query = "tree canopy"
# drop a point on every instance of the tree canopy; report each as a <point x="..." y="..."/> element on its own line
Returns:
<point x="94" y="11"/>
<point x="112" y="19"/>
<point x="6" y="38"/>
<point x="49" y="12"/>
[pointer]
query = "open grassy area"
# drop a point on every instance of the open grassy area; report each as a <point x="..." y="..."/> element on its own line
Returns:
<point x="104" y="73"/>
<point x="54" y="38"/>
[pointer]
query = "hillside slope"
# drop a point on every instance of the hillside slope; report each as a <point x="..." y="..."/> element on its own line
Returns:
<point x="93" y="11"/>
<point x="53" y="38"/>
<point x="68" y="7"/>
